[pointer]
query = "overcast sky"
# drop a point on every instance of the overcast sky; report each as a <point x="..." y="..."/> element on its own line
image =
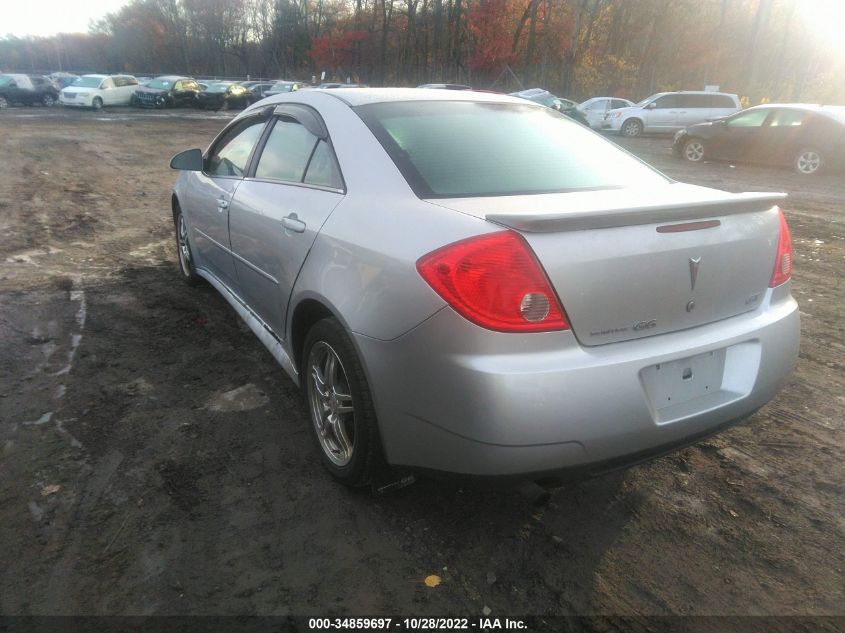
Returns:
<point x="46" y="17"/>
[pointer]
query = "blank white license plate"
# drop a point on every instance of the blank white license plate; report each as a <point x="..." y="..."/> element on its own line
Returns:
<point x="680" y="381"/>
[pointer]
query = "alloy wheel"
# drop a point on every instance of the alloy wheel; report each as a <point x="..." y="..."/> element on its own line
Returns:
<point x="48" y="101"/>
<point x="632" y="128"/>
<point x="808" y="161"/>
<point x="694" y="150"/>
<point x="3" y="103"/>
<point x="330" y="399"/>
<point x="184" y="246"/>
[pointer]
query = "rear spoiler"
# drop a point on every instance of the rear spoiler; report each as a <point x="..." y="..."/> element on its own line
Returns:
<point x="604" y="218"/>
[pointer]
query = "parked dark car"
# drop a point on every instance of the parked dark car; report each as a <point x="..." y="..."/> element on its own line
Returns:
<point x="810" y="138"/>
<point x="27" y="89"/>
<point x="223" y="95"/>
<point x="281" y="87"/>
<point x="168" y="91"/>
<point x="257" y="89"/>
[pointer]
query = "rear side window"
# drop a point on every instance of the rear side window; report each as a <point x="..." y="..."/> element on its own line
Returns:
<point x="694" y="101"/>
<point x="458" y="149"/>
<point x="721" y="101"/>
<point x="619" y="104"/>
<point x="231" y="153"/>
<point x="322" y="170"/>
<point x="787" y="118"/>
<point x="286" y="153"/>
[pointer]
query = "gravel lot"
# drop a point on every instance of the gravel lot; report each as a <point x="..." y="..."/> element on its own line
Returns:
<point x="155" y="460"/>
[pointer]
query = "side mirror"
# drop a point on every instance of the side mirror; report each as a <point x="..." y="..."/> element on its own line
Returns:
<point x="651" y="106"/>
<point x="189" y="160"/>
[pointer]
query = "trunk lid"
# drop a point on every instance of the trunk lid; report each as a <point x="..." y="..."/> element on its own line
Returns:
<point x="629" y="263"/>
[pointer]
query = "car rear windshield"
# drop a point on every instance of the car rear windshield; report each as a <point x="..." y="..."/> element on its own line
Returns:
<point x="6" y="79"/>
<point x="456" y="149"/>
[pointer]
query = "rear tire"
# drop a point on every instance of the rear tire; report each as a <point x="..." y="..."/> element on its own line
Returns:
<point x="632" y="128"/>
<point x="808" y="162"/>
<point x="340" y="407"/>
<point x="693" y="150"/>
<point x="48" y="101"/>
<point x="3" y="103"/>
<point x="184" y="252"/>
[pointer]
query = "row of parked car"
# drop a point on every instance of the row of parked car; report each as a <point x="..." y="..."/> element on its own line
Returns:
<point x="713" y="126"/>
<point x="97" y="91"/>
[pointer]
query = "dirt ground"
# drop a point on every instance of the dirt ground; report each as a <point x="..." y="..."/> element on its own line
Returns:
<point x="155" y="459"/>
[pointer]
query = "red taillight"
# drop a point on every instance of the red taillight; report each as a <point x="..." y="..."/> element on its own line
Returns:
<point x="783" y="262"/>
<point x="495" y="281"/>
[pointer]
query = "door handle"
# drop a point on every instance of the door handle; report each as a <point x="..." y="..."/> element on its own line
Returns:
<point x="293" y="223"/>
<point x="222" y="203"/>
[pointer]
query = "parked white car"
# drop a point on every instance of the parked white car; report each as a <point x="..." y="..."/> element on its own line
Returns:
<point x="670" y="111"/>
<point x="594" y="109"/>
<point x="96" y="91"/>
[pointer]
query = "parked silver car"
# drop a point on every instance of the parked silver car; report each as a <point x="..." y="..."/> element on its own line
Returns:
<point x="594" y="109"/>
<point x="670" y="111"/>
<point x="468" y="282"/>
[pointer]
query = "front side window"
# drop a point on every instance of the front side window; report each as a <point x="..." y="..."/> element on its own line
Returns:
<point x="754" y="118"/>
<point x="231" y="153"/>
<point x="107" y="83"/>
<point x="287" y="152"/>
<point x="448" y="149"/>
<point x="159" y="84"/>
<point x="666" y="101"/>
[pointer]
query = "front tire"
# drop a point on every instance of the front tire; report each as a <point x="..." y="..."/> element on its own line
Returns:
<point x="340" y="406"/>
<point x="632" y="128"/>
<point x="3" y="103"/>
<point x="808" y="161"/>
<point x="693" y="150"/>
<point x="97" y="104"/>
<point x="184" y="252"/>
<point x="48" y="101"/>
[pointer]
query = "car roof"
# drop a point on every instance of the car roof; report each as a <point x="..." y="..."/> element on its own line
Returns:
<point x="172" y="77"/>
<point x="364" y="96"/>
<point x="95" y="76"/>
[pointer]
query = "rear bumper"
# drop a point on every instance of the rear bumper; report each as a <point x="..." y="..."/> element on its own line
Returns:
<point x="541" y="403"/>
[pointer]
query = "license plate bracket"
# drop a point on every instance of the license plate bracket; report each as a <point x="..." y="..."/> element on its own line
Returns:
<point x="678" y="382"/>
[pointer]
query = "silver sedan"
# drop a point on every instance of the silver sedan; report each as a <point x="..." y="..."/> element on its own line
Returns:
<point x="470" y="283"/>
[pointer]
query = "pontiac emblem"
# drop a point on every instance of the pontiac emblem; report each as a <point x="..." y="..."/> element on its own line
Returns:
<point x="693" y="271"/>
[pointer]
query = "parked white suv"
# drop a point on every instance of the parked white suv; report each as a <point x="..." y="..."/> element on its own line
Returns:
<point x="96" y="91"/>
<point x="670" y="111"/>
